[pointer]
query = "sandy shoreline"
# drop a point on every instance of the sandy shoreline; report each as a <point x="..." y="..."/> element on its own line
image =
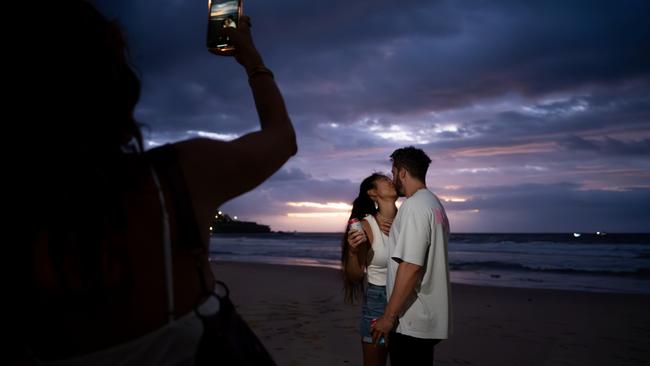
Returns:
<point x="299" y="314"/>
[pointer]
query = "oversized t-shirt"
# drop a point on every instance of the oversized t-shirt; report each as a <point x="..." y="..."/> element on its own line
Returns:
<point x="419" y="235"/>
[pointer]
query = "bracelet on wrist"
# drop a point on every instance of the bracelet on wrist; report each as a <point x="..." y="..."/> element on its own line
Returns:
<point x="257" y="70"/>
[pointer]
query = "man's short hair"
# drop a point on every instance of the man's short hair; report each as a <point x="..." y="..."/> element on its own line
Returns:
<point x="415" y="161"/>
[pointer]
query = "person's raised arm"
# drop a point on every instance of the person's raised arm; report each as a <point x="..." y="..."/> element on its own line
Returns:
<point x="218" y="171"/>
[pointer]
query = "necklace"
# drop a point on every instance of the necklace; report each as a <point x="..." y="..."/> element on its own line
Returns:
<point x="382" y="217"/>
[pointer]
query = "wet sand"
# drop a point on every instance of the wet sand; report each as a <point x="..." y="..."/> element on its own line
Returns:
<point x="299" y="314"/>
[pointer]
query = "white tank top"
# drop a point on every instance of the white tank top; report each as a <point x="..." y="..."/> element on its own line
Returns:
<point x="379" y="263"/>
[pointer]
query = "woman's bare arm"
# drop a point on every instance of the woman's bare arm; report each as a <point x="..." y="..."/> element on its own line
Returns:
<point x="217" y="171"/>
<point x="354" y="268"/>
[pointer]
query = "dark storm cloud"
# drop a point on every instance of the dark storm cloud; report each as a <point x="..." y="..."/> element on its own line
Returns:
<point x="557" y="207"/>
<point x="618" y="111"/>
<point x="349" y="59"/>
<point x="609" y="146"/>
<point x="495" y="49"/>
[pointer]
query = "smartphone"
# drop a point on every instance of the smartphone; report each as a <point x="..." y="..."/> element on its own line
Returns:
<point x="222" y="14"/>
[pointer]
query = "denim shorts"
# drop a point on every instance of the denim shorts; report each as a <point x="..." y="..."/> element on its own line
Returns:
<point x="374" y="304"/>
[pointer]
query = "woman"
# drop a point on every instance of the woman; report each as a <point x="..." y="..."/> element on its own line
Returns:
<point x="109" y="274"/>
<point x="366" y="253"/>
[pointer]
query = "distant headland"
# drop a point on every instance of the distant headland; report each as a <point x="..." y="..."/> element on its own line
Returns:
<point x="222" y="223"/>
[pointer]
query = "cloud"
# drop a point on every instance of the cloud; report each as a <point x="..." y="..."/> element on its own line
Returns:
<point x="292" y="185"/>
<point x="608" y="146"/>
<point x="376" y="57"/>
<point x="327" y="206"/>
<point x="561" y="207"/>
<point x="290" y="174"/>
<point x="500" y="94"/>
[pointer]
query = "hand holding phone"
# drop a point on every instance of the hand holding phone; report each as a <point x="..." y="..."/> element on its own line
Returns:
<point x="240" y="43"/>
<point x="223" y="15"/>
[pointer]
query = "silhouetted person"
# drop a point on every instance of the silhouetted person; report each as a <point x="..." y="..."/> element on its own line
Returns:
<point x="112" y="258"/>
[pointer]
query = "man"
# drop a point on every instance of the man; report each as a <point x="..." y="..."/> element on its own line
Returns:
<point x="229" y="22"/>
<point x="418" y="313"/>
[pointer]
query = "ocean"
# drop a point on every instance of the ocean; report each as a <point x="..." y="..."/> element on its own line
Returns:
<point x="601" y="263"/>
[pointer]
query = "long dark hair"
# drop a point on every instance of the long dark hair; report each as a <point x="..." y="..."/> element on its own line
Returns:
<point x="362" y="206"/>
<point x="75" y="175"/>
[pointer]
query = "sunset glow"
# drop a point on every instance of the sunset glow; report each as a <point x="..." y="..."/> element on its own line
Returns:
<point x="327" y="205"/>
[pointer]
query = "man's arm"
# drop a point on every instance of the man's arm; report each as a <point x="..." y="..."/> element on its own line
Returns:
<point x="411" y="253"/>
<point x="406" y="278"/>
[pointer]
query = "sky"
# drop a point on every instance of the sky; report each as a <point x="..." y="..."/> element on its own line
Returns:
<point x="536" y="114"/>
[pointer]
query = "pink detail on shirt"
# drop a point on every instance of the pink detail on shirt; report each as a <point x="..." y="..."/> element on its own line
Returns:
<point x="441" y="218"/>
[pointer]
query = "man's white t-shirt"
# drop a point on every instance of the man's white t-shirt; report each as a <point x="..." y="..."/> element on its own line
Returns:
<point x="419" y="235"/>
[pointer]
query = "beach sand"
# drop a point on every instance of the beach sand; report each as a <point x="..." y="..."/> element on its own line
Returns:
<point x="299" y="314"/>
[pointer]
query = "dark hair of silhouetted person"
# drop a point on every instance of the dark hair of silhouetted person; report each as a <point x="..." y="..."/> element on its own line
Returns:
<point x="75" y="175"/>
<point x="362" y="206"/>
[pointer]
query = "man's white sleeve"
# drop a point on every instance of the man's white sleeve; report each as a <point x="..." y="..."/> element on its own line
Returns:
<point x="414" y="237"/>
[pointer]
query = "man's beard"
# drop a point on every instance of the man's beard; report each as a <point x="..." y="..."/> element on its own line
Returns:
<point x="399" y="188"/>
